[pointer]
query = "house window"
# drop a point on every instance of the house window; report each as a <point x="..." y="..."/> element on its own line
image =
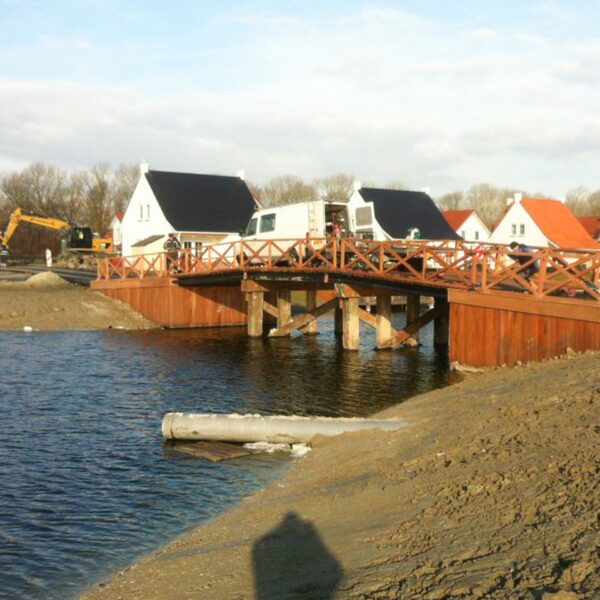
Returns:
<point x="463" y="234"/>
<point x="513" y="229"/>
<point x="147" y="212"/>
<point x="187" y="245"/>
<point x="267" y="223"/>
<point x="141" y="212"/>
<point x="522" y="229"/>
<point x="476" y="235"/>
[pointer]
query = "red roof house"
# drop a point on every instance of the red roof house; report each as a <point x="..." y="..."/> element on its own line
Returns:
<point x="467" y="224"/>
<point x="542" y="222"/>
<point x="591" y="225"/>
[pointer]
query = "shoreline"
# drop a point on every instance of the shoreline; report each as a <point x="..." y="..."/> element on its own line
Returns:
<point x="491" y="493"/>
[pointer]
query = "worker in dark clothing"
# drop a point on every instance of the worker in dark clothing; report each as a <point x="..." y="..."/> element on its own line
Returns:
<point x="3" y="255"/>
<point x="172" y="247"/>
<point x="523" y="257"/>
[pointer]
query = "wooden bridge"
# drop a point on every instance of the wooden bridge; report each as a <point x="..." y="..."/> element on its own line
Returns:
<point x="492" y="305"/>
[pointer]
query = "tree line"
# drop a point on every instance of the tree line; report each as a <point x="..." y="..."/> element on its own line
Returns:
<point x="92" y="196"/>
<point x="87" y="197"/>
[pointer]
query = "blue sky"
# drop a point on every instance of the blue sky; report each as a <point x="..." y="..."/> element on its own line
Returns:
<point x="437" y="94"/>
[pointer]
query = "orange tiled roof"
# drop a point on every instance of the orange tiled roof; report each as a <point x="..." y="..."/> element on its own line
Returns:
<point x="558" y="223"/>
<point x="456" y="218"/>
<point x="591" y="225"/>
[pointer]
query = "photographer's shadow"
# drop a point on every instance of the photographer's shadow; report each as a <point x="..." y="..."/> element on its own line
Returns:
<point x="292" y="563"/>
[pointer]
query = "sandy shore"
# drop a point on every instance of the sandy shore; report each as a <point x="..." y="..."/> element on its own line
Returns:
<point x="46" y="302"/>
<point x="492" y="493"/>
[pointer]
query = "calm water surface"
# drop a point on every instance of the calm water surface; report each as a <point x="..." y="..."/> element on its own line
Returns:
<point x="86" y="484"/>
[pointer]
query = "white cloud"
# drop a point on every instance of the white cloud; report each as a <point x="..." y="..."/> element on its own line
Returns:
<point x="378" y="93"/>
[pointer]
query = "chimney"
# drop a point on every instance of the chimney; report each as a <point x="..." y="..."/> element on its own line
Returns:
<point x="518" y="197"/>
<point x="241" y="174"/>
<point x="144" y="167"/>
<point x="357" y="185"/>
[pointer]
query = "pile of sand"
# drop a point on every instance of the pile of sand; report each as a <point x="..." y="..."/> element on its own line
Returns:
<point x="46" y="281"/>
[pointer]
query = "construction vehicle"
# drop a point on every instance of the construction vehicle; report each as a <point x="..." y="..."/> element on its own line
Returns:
<point x="79" y="239"/>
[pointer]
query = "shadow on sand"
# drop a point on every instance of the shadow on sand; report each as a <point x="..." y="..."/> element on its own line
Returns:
<point x="292" y="563"/>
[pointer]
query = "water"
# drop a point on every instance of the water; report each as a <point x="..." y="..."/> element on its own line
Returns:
<point x="86" y="484"/>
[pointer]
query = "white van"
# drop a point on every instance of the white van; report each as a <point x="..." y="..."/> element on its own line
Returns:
<point x="315" y="219"/>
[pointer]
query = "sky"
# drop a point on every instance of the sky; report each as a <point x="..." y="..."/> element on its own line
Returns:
<point x="437" y="94"/>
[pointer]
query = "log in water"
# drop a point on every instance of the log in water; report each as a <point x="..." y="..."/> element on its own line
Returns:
<point x="257" y="428"/>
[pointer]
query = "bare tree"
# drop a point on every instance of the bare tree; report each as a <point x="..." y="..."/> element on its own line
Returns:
<point x="258" y="193"/>
<point x="594" y="203"/>
<point x="287" y="189"/>
<point x="395" y="184"/>
<point x="451" y="201"/>
<point x="122" y="186"/>
<point x="488" y="201"/>
<point x="97" y="207"/>
<point x="334" y="188"/>
<point x="577" y="200"/>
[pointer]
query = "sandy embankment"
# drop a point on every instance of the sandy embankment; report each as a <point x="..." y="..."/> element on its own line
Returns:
<point x="45" y="301"/>
<point x="494" y="493"/>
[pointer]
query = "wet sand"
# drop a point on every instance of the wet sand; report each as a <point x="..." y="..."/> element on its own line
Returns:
<point x="492" y="493"/>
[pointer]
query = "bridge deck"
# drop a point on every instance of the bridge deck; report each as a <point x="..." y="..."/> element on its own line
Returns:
<point x="428" y="267"/>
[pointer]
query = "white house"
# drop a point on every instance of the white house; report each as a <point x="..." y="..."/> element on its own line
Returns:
<point x="467" y="224"/>
<point x="200" y="209"/>
<point x="114" y="231"/>
<point x="541" y="222"/>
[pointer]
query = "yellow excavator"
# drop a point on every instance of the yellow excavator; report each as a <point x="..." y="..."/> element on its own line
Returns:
<point x="79" y="239"/>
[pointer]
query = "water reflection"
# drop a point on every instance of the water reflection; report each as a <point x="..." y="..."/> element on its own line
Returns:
<point x="85" y="482"/>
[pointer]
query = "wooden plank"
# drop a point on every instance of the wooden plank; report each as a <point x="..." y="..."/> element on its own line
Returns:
<point x="568" y="308"/>
<point x="270" y="309"/>
<point x="351" y="337"/>
<point x="413" y="310"/>
<point x="383" y="321"/>
<point x="284" y="307"/>
<point x="403" y="335"/>
<point x="311" y="304"/>
<point x="367" y="318"/>
<point x="213" y="451"/>
<point x="255" y="313"/>
<point x="304" y="319"/>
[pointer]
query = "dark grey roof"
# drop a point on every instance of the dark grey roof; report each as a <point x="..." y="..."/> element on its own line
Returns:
<point x="398" y="211"/>
<point x="147" y="241"/>
<point x="193" y="202"/>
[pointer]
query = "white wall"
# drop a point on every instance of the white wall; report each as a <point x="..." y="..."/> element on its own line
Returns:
<point x="473" y="229"/>
<point x="143" y="217"/>
<point x="519" y="227"/>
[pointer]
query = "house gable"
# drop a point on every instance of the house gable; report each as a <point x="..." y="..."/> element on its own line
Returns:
<point x="516" y="225"/>
<point x="397" y="211"/>
<point x="143" y="217"/>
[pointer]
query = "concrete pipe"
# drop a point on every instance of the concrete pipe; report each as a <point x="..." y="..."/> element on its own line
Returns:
<point x="255" y="428"/>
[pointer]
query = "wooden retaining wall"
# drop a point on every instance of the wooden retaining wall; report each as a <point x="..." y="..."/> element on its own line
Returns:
<point x="167" y="304"/>
<point x="488" y="330"/>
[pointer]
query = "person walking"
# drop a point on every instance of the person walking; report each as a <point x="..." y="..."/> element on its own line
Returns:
<point x="522" y="256"/>
<point x="172" y="247"/>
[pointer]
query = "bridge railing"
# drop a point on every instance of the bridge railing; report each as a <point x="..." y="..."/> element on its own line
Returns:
<point x="450" y="264"/>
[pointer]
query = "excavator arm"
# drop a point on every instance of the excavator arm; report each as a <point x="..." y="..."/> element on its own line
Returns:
<point x="17" y="216"/>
